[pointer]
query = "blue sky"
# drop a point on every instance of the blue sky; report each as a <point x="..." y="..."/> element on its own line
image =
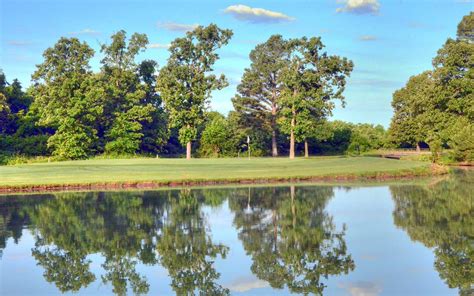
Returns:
<point x="389" y="41"/>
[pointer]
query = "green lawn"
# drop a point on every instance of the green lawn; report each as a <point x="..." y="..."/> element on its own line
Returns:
<point x="166" y="170"/>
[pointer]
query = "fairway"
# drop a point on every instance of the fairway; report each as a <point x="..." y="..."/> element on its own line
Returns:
<point x="102" y="171"/>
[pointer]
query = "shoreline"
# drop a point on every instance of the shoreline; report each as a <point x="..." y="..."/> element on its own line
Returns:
<point x="433" y="170"/>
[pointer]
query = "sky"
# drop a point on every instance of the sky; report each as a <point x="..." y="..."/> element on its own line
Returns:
<point x="388" y="40"/>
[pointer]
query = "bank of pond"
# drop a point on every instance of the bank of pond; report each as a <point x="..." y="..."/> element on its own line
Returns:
<point x="106" y="174"/>
<point x="407" y="238"/>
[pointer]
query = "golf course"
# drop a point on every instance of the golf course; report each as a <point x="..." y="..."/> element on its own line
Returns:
<point x="163" y="172"/>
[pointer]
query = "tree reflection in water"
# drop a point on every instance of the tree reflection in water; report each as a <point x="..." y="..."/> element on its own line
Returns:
<point x="126" y="229"/>
<point x="286" y="231"/>
<point x="186" y="249"/>
<point x="291" y="238"/>
<point x="441" y="216"/>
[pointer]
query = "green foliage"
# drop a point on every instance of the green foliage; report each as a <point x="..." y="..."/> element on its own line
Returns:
<point x="217" y="138"/>
<point x="462" y="142"/>
<point x="409" y="124"/>
<point x="312" y="80"/>
<point x="465" y="29"/>
<point x="128" y="102"/>
<point x="257" y="101"/>
<point x="155" y="131"/>
<point x="66" y="98"/>
<point x="432" y="103"/>
<point x="185" y="82"/>
<point x="5" y="114"/>
<point x="366" y="137"/>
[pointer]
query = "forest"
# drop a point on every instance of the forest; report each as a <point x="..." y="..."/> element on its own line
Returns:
<point x="283" y="103"/>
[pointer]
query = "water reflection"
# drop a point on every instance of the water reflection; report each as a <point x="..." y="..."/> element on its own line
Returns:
<point x="287" y="232"/>
<point x="122" y="228"/>
<point x="440" y="216"/>
<point x="186" y="250"/>
<point x="291" y="239"/>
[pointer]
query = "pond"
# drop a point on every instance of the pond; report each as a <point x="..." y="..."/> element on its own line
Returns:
<point x="408" y="238"/>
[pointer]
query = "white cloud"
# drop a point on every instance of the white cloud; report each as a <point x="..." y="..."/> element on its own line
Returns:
<point x="158" y="45"/>
<point x="86" y="31"/>
<point x="368" y="38"/>
<point x="19" y="43"/>
<point x="362" y="288"/>
<point x="359" y="6"/>
<point x="245" y="284"/>
<point x="256" y="15"/>
<point x="171" y="26"/>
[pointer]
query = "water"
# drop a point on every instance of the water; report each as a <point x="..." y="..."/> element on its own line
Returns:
<point x="400" y="239"/>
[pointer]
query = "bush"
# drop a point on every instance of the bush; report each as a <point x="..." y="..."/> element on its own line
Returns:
<point x="462" y="143"/>
<point x="217" y="139"/>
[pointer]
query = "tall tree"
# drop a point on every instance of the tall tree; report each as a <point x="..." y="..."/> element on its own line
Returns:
<point x="435" y="106"/>
<point x="125" y="103"/>
<point x="67" y="99"/>
<point x="260" y="88"/>
<point x="155" y="131"/>
<point x="186" y="82"/>
<point x="311" y="81"/>
<point x="409" y="125"/>
<point x="5" y="114"/>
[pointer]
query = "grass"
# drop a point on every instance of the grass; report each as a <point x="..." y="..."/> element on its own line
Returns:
<point x="179" y="171"/>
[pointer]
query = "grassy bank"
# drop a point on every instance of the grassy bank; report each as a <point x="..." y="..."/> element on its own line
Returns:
<point x="148" y="172"/>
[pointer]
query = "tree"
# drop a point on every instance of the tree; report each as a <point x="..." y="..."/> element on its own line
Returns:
<point x="217" y="138"/>
<point x="5" y="113"/>
<point x="410" y="103"/>
<point x="432" y="105"/>
<point x="260" y="88"/>
<point x="155" y="132"/>
<point x="312" y="80"/>
<point x="366" y="137"/>
<point x="67" y="99"/>
<point x="126" y="106"/>
<point x="462" y="141"/>
<point x="185" y="83"/>
<point x="454" y="75"/>
<point x="19" y="133"/>
<point x="465" y="30"/>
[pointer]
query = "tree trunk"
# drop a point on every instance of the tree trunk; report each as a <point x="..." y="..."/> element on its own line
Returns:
<point x="274" y="134"/>
<point x="418" y="149"/>
<point x="306" y="149"/>
<point x="274" y="144"/>
<point x="292" y="138"/>
<point x="188" y="150"/>
<point x="292" y="144"/>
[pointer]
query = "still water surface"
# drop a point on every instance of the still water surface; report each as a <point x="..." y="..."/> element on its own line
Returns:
<point x="401" y="239"/>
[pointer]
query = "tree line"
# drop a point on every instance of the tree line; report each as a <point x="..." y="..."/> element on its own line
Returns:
<point x="128" y="107"/>
<point x="282" y="103"/>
